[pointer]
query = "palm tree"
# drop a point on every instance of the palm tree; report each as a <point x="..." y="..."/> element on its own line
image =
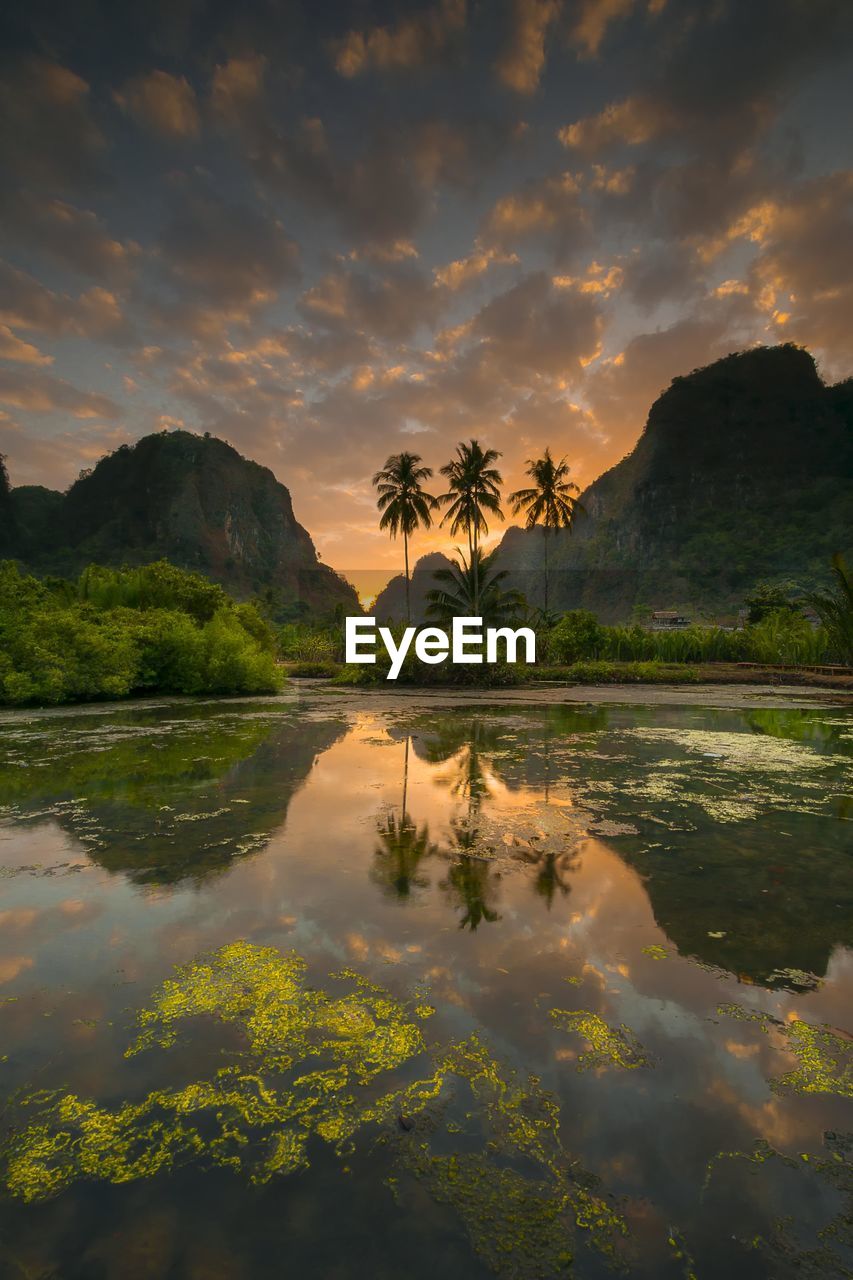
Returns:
<point x="404" y="504"/>
<point x="549" y="501"/>
<point x="472" y="588"/>
<point x="473" y="489"/>
<point x="835" y="609"/>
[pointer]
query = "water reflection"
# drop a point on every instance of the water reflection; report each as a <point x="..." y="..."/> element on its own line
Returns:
<point x="159" y="797"/>
<point x="503" y="990"/>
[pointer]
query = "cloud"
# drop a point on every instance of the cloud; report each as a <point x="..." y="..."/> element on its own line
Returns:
<point x="44" y="393"/>
<point x="392" y="306"/>
<point x="73" y="237"/>
<point x="596" y="17"/>
<point x="162" y="102"/>
<point x="522" y="61"/>
<point x="49" y="139"/>
<point x="549" y="210"/>
<point x="223" y="260"/>
<point x="25" y="303"/>
<point x="631" y="122"/>
<point x="542" y="327"/>
<point x="802" y="275"/>
<point x="237" y="86"/>
<point x="416" y="40"/>
<point x="459" y="273"/>
<point x="14" y="348"/>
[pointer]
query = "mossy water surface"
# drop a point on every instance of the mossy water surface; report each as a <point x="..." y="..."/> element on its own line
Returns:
<point x="505" y="991"/>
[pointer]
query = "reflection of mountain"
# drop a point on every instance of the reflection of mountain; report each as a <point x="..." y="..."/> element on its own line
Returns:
<point x="166" y="800"/>
<point x="775" y="885"/>
<point x="781" y="903"/>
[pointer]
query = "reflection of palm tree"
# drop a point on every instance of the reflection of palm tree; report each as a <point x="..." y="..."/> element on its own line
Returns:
<point x="552" y="868"/>
<point x="470" y="883"/>
<point x="401" y="849"/>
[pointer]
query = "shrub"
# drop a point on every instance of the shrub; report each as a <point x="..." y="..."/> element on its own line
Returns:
<point x="61" y="642"/>
<point x="577" y="635"/>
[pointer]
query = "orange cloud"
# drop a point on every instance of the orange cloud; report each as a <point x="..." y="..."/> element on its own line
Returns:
<point x="522" y="61"/>
<point x="162" y="102"/>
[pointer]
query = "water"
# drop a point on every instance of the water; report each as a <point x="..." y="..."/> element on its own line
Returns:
<point x="346" y="988"/>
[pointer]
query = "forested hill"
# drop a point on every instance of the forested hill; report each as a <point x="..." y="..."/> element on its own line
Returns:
<point x="193" y="500"/>
<point x="743" y="472"/>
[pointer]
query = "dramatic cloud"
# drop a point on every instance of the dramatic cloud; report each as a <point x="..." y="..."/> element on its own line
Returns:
<point x="162" y="102"/>
<point x="43" y="393"/>
<point x="413" y="41"/>
<point x="329" y="232"/>
<point x="522" y="61"/>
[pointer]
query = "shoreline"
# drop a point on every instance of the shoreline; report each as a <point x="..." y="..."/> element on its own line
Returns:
<point x="319" y="691"/>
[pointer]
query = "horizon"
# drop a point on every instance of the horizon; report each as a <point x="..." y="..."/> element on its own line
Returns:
<point x="327" y="237"/>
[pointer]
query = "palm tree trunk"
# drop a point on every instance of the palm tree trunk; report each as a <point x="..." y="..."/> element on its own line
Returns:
<point x="406" y="555"/>
<point x="475" y="575"/>
<point x="546" y="569"/>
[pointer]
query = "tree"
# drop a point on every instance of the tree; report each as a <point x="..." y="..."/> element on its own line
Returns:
<point x="473" y="489"/>
<point x="404" y="504"/>
<point x="771" y="597"/>
<point x="473" y="588"/>
<point x="549" y="501"/>
<point x="835" y="609"/>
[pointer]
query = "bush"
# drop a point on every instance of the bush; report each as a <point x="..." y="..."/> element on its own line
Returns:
<point x="577" y="635"/>
<point x="314" y="670"/>
<point x="61" y="642"/>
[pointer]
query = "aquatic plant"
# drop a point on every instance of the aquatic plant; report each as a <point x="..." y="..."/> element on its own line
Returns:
<point x="323" y="1064"/>
<point x="824" y="1057"/>
<point x="609" y="1046"/>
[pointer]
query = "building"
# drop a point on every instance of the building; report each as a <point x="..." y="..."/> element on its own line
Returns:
<point x="669" y="620"/>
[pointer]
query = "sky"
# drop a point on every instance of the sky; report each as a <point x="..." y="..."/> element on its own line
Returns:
<point x="330" y="232"/>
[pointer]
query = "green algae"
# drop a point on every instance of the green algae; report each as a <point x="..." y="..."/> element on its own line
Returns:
<point x="325" y="1064"/>
<point x="608" y="1046"/>
<point x="656" y="952"/>
<point x="824" y="1057"/>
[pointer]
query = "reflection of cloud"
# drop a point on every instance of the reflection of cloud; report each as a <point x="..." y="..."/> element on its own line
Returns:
<point x="11" y="966"/>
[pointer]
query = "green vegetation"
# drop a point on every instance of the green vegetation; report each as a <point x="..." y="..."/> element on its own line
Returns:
<point x="550" y="501"/>
<point x="116" y="632"/>
<point x="835" y="610"/>
<point x="404" y="503"/>
<point x="784" y="636"/>
<point x="474" y="490"/>
<point x="338" y="1066"/>
<point x="474" y="588"/>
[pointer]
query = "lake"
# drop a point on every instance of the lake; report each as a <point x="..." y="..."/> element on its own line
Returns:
<point x="365" y="987"/>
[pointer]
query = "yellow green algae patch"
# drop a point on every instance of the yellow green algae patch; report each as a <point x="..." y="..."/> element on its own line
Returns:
<point x="608" y="1046"/>
<point x="656" y="951"/>
<point x="523" y="1200"/>
<point x="824" y="1057"/>
<point x="325" y="1064"/>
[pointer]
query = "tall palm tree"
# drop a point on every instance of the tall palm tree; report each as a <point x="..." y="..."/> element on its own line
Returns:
<point x="474" y="489"/>
<point x="404" y="504"/>
<point x="550" y="500"/>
